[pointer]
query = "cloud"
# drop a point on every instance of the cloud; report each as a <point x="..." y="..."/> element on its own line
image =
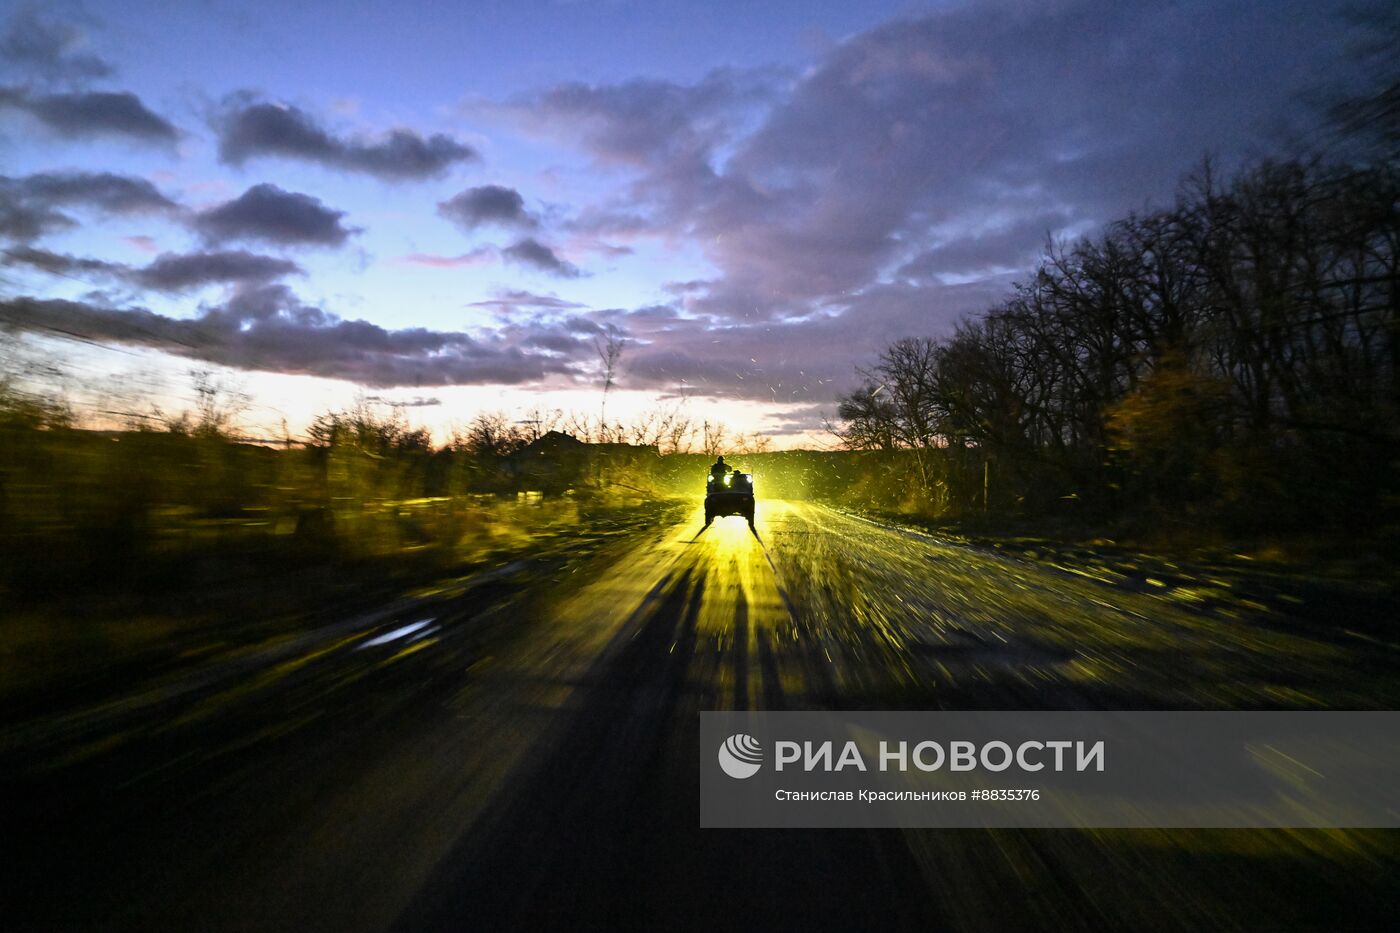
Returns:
<point x="474" y="257"/>
<point x="791" y="362"/>
<point x="686" y="287"/>
<point x="654" y="313"/>
<point x="610" y="249"/>
<point x="60" y="264"/>
<point x="92" y="113"/>
<point x="910" y="174"/>
<point x="488" y="204"/>
<point x="528" y="252"/>
<point x="49" y="50"/>
<point x="612" y="221"/>
<point x="884" y="191"/>
<point x="169" y="272"/>
<point x="28" y="204"/>
<point x="643" y="120"/>
<point x="184" y="271"/>
<point x="24" y="221"/>
<point x="267" y="328"/>
<point x="516" y="300"/>
<point x="115" y="194"/>
<point x="909" y="145"/>
<point x="1014" y="245"/>
<point x="257" y="129"/>
<point x="531" y="252"/>
<point x="267" y="213"/>
<point x="801" y="418"/>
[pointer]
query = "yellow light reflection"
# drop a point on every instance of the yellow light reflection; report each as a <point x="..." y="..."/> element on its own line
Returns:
<point x="731" y="532"/>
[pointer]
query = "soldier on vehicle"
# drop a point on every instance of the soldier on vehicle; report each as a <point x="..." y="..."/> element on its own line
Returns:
<point x="728" y="492"/>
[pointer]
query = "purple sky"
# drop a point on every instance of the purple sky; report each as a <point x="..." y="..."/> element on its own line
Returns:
<point x="449" y="204"/>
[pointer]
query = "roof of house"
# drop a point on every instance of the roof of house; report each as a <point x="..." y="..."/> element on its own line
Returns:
<point x="553" y="440"/>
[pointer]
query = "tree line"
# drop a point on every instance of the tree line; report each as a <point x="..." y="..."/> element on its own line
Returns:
<point x="1230" y="359"/>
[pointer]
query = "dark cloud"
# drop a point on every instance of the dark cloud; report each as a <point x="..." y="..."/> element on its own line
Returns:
<point x="24" y="221"/>
<point x="642" y="121"/>
<point x="267" y="328"/>
<point x="169" y="272"/>
<point x="806" y="361"/>
<point x="801" y="419"/>
<point x="488" y="204"/>
<point x="942" y="140"/>
<point x="576" y="324"/>
<point x="115" y="194"/>
<point x="59" y="263"/>
<point x="49" y="50"/>
<point x="1013" y="246"/>
<point x="554" y="343"/>
<point x="887" y="191"/>
<point x="267" y="213"/>
<point x="781" y="363"/>
<point x="92" y="113"/>
<point x="175" y="272"/>
<point x="28" y="204"/>
<point x="882" y="193"/>
<point x="619" y="221"/>
<point x="686" y="288"/>
<point x="659" y="314"/>
<point x="568" y="334"/>
<point x="533" y="253"/>
<point x="250" y="130"/>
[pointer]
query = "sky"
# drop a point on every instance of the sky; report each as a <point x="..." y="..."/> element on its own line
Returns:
<point x="447" y="206"/>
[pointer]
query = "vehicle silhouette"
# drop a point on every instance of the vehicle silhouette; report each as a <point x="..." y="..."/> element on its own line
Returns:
<point x="729" y="494"/>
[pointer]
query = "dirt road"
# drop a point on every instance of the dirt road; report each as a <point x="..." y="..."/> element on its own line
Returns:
<point x="519" y="749"/>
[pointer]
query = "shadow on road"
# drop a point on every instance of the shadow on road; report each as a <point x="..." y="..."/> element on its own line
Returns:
<point x="605" y="833"/>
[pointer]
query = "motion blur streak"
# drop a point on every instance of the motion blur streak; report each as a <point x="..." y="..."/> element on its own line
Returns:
<point x="533" y="761"/>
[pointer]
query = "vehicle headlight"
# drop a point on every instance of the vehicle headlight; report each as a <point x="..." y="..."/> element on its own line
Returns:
<point x="728" y="479"/>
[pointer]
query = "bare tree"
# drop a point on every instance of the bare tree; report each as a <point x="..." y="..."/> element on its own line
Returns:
<point x="609" y="346"/>
<point x="1238" y="345"/>
<point x="666" y="427"/>
<point x="217" y="403"/>
<point x="712" y="437"/>
<point x="490" y="436"/>
<point x="537" y="422"/>
<point x="867" y="419"/>
<point x="755" y="442"/>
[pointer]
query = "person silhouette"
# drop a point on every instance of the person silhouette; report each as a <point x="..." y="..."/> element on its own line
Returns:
<point x="720" y="468"/>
